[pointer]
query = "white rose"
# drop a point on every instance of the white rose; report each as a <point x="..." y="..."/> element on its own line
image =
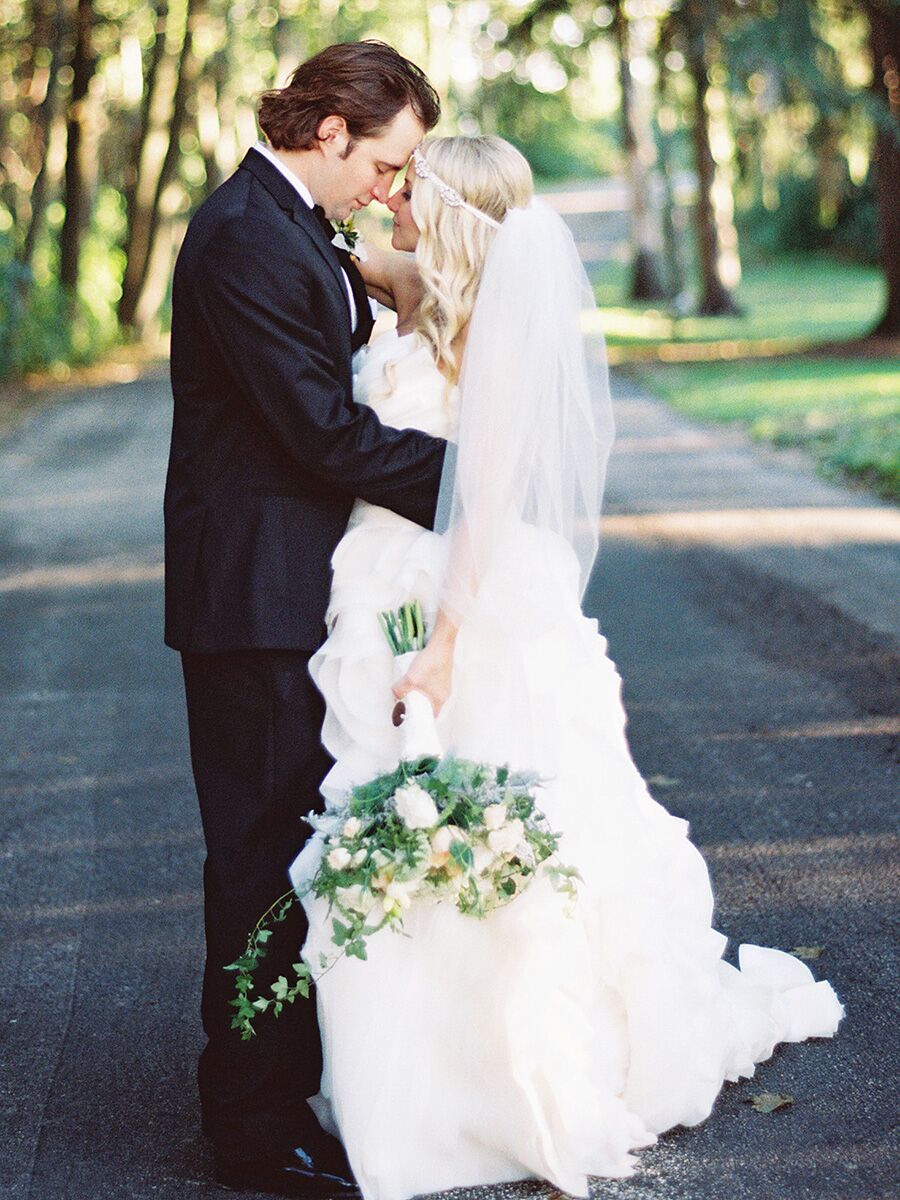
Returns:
<point x="441" y="840"/>
<point x="358" y="897"/>
<point x="339" y="858"/>
<point x="494" y="815"/>
<point x="483" y="858"/>
<point x="506" y="839"/>
<point x="352" y="827"/>
<point x="396" y="891"/>
<point x="359" y="858"/>
<point x="415" y="807"/>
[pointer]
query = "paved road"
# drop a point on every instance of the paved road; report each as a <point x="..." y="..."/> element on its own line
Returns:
<point x="756" y="651"/>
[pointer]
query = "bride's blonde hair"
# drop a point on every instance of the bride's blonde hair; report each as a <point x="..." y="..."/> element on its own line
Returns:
<point x="489" y="174"/>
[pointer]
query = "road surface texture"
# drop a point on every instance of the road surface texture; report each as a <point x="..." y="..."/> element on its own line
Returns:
<point x="749" y="607"/>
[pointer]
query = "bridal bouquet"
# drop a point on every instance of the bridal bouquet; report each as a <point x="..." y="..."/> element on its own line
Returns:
<point x="434" y="829"/>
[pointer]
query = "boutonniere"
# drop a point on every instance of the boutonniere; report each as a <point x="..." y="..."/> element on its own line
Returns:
<point x="347" y="238"/>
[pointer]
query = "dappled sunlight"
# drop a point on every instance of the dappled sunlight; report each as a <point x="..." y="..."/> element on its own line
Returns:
<point x="83" y="498"/>
<point x="104" y="841"/>
<point x="127" y="906"/>
<point x="811" y="848"/>
<point x="98" y="573"/>
<point x="810" y="871"/>
<point x="86" y="782"/>
<point x="798" y="527"/>
<point x="880" y="726"/>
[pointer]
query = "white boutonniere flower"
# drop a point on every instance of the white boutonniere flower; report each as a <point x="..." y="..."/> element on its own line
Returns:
<point x="347" y="238"/>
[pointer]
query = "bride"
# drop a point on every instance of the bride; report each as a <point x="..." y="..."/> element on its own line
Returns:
<point x="535" y="1043"/>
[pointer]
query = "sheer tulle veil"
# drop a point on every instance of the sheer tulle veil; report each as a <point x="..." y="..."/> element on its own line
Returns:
<point x="535" y="426"/>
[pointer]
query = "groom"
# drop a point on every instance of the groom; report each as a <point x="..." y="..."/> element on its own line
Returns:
<point x="268" y="453"/>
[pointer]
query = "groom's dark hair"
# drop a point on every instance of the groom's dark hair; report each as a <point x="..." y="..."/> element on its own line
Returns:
<point x="367" y="83"/>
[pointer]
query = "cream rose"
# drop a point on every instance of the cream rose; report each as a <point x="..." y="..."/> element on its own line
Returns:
<point x="495" y="816"/>
<point x="415" y="807"/>
<point x="339" y="858"/>
<point x="507" y="838"/>
<point x="352" y="826"/>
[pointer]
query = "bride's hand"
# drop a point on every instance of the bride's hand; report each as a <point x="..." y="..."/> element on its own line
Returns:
<point x="431" y="673"/>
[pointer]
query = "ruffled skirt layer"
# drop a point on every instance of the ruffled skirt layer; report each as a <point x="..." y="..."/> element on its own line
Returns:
<point x="533" y="1043"/>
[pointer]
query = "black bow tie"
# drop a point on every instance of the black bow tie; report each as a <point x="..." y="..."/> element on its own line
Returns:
<point x="319" y="214"/>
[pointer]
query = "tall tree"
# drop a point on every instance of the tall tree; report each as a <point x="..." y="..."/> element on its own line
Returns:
<point x="717" y="247"/>
<point x="159" y="166"/>
<point x="884" y="25"/>
<point x="79" y="164"/>
<point x="43" y="95"/>
<point x="638" y="145"/>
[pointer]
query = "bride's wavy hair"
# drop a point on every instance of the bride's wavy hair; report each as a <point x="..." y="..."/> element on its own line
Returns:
<point x="489" y="174"/>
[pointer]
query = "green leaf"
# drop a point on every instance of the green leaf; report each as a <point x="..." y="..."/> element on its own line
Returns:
<point x="261" y="1004"/>
<point x="768" y="1102"/>
<point x="462" y="854"/>
<point x="340" y="932"/>
<point x="807" y="952"/>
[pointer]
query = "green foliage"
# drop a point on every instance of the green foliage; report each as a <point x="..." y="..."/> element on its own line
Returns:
<point x="796" y="226"/>
<point x="806" y="298"/>
<point x="375" y="863"/>
<point x="283" y="992"/>
<point x="845" y="411"/>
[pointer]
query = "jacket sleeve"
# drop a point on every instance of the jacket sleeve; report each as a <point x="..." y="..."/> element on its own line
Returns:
<point x="256" y="300"/>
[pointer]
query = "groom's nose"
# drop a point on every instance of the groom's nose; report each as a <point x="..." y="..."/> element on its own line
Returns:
<point x="381" y="189"/>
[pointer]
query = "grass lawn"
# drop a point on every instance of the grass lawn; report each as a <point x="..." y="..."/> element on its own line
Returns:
<point x="843" y="407"/>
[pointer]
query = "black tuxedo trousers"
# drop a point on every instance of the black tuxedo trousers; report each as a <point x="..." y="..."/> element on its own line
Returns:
<point x="254" y="718"/>
<point x="268" y="452"/>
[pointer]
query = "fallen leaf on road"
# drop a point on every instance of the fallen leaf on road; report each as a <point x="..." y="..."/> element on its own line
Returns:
<point x="807" y="951"/>
<point x="767" y="1102"/>
<point x="662" y="781"/>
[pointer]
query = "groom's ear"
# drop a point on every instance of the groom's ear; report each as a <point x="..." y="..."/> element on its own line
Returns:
<point x="333" y="134"/>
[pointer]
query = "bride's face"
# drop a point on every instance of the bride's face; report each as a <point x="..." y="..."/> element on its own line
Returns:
<point x="405" y="234"/>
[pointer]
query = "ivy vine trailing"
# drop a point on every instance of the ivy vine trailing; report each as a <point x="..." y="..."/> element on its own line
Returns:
<point x="283" y="992"/>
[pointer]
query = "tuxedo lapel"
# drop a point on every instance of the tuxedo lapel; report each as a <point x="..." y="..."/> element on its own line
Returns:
<point x="289" y="199"/>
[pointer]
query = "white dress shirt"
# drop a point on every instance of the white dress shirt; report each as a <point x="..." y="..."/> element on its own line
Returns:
<point x="305" y="195"/>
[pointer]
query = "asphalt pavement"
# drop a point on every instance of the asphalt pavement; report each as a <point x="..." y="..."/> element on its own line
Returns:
<point x="751" y="608"/>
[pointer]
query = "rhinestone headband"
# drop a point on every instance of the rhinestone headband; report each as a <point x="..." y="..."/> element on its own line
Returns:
<point x="448" y="194"/>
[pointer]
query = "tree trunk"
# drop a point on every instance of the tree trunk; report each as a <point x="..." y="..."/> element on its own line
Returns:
<point x="716" y="236"/>
<point x="78" y="166"/>
<point x="884" y="23"/>
<point x="136" y="273"/>
<point x="41" y="122"/>
<point x="637" y="142"/>
<point x="147" y="158"/>
<point x="670" y="215"/>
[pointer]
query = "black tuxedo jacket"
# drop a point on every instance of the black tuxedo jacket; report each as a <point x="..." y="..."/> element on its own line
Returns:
<point x="268" y="447"/>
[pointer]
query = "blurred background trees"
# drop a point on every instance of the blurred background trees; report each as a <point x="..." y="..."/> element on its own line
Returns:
<point x="737" y="132"/>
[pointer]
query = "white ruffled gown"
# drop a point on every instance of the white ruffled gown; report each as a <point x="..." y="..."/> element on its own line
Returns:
<point x="530" y="1044"/>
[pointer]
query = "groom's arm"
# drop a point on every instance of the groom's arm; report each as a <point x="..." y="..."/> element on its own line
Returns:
<point x="255" y="304"/>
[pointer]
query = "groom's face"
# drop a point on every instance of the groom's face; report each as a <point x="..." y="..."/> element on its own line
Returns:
<point x="354" y="173"/>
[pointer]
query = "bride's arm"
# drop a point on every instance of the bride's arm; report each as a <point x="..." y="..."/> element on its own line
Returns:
<point x="392" y="278"/>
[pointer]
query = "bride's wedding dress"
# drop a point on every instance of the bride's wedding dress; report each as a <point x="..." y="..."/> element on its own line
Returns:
<point x="533" y="1043"/>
